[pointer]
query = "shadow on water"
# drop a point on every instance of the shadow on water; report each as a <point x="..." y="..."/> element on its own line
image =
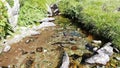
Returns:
<point x="87" y="30"/>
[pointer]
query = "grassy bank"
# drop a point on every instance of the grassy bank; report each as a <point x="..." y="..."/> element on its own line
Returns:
<point x="99" y="17"/>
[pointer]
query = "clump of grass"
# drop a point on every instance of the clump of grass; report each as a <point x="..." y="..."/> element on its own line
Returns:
<point x="5" y="28"/>
<point x="32" y="11"/>
<point x="99" y="17"/>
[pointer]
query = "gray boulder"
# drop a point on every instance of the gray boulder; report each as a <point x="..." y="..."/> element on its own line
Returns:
<point x="106" y="49"/>
<point x="98" y="58"/>
<point x="102" y="56"/>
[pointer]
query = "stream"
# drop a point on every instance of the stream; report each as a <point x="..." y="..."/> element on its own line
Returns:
<point x="46" y="50"/>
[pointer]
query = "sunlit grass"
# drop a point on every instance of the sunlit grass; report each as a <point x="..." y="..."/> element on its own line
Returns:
<point x="99" y="16"/>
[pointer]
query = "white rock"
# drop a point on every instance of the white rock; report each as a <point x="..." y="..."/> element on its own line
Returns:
<point x="95" y="49"/>
<point x="98" y="58"/>
<point x="106" y="49"/>
<point x="103" y="55"/>
<point x="7" y="48"/>
<point x="47" y="19"/>
<point x="97" y="41"/>
<point x="65" y="61"/>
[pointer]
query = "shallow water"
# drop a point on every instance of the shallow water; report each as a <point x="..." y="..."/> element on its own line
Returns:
<point x="46" y="50"/>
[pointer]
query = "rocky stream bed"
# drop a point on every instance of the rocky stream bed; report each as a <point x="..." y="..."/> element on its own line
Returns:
<point x="48" y="49"/>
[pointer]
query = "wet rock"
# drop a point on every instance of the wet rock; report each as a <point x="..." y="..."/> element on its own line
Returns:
<point x="74" y="33"/>
<point x="74" y="56"/>
<point x="39" y="49"/>
<point x="65" y="61"/>
<point x="102" y="56"/>
<point x="47" y="19"/>
<point x="89" y="47"/>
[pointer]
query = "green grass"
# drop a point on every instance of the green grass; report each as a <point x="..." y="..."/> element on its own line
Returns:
<point x="5" y="28"/>
<point x="99" y="17"/>
<point x="30" y="12"/>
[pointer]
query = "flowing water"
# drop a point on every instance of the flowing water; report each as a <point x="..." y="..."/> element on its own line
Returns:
<point x="46" y="50"/>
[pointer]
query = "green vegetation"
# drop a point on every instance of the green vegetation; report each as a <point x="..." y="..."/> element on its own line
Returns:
<point x="5" y="28"/>
<point x="100" y="17"/>
<point x="31" y="11"/>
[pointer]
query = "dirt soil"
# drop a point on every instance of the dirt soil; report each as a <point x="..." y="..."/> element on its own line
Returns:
<point x="27" y="48"/>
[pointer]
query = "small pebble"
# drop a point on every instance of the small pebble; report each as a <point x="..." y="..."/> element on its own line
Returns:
<point x="24" y="52"/>
<point x="39" y="49"/>
<point x="45" y="50"/>
<point x="74" y="48"/>
<point x="27" y="41"/>
<point x="32" y="52"/>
